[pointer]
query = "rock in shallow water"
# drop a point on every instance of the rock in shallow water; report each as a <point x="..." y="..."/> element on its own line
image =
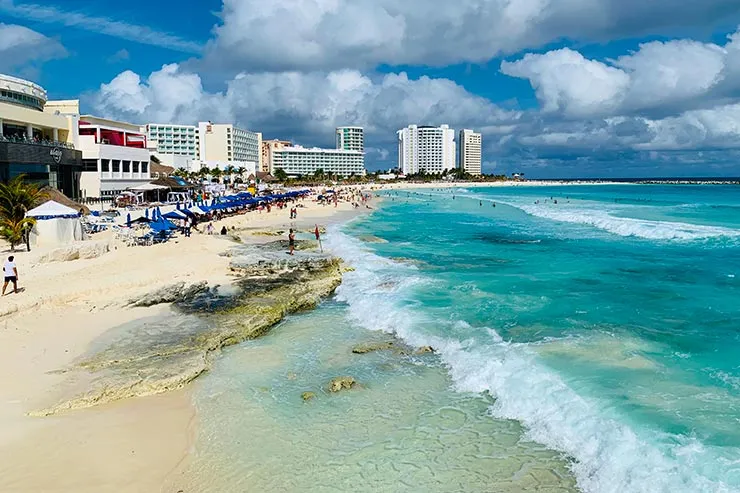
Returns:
<point x="369" y="347"/>
<point x="307" y="396"/>
<point x="340" y="383"/>
<point x="425" y="349"/>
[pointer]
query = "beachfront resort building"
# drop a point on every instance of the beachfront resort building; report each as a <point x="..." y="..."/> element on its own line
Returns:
<point x="423" y="148"/>
<point x="268" y="152"/>
<point x="227" y="144"/>
<point x="36" y="139"/>
<point x="469" y="143"/>
<point x="302" y="161"/>
<point x="179" y="140"/>
<point x="348" y="159"/>
<point x="351" y="138"/>
<point x="114" y="156"/>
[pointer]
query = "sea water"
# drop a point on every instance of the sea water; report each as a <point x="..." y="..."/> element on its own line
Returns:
<point x="585" y="335"/>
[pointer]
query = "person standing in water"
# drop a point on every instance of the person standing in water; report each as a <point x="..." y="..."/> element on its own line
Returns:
<point x="291" y="242"/>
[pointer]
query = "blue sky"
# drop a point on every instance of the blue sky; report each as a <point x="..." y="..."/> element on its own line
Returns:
<point x="576" y="88"/>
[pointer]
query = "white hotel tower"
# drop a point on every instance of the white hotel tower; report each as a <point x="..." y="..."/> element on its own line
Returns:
<point x="431" y="149"/>
<point x="469" y="144"/>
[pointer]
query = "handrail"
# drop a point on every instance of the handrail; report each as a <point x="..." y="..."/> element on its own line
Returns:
<point x="42" y="142"/>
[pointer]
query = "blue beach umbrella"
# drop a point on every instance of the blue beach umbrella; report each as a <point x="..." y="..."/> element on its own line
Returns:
<point x="128" y="219"/>
<point x="146" y="213"/>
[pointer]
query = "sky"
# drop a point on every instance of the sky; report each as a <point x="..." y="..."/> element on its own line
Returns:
<point x="558" y="88"/>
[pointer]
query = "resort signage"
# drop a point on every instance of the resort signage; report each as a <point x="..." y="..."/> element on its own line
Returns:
<point x="56" y="154"/>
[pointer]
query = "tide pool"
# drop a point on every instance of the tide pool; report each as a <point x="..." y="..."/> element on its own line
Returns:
<point x="587" y="337"/>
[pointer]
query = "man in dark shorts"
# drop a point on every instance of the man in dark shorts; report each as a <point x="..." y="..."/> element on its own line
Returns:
<point x="11" y="274"/>
<point x="291" y="241"/>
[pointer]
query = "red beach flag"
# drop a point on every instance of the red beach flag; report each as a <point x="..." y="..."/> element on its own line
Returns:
<point x="316" y="232"/>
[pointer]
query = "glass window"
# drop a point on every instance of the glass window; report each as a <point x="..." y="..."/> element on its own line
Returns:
<point x="144" y="167"/>
<point x="116" y="165"/>
<point x="135" y="166"/>
<point x="126" y="166"/>
<point x="90" y="165"/>
<point x="105" y="165"/>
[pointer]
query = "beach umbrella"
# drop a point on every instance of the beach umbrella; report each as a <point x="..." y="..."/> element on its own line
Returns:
<point x="159" y="213"/>
<point x="128" y="219"/>
<point x="146" y="213"/>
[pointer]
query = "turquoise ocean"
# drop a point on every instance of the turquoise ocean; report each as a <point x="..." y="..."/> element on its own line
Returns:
<point x="587" y="337"/>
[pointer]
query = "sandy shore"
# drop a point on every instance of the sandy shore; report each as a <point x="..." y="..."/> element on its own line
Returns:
<point x="131" y="445"/>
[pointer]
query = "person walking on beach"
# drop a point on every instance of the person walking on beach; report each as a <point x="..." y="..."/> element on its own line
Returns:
<point x="291" y="242"/>
<point x="11" y="274"/>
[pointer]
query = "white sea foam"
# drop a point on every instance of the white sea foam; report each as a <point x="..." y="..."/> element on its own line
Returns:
<point x="626" y="226"/>
<point x="609" y="456"/>
<point x="593" y="214"/>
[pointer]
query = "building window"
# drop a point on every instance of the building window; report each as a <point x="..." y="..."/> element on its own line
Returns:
<point x="105" y="165"/>
<point x="127" y="166"/>
<point x="144" y="167"/>
<point x="116" y="165"/>
<point x="90" y="165"/>
<point x="136" y="166"/>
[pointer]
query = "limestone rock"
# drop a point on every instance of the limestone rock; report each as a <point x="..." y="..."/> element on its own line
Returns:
<point x="340" y="383"/>
<point x="146" y="356"/>
<point x="83" y="250"/>
<point x="307" y="396"/>
<point x="178" y="292"/>
<point x="425" y="349"/>
<point x="369" y="347"/>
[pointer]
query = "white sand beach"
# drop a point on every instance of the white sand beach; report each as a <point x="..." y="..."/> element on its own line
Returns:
<point x="131" y="445"/>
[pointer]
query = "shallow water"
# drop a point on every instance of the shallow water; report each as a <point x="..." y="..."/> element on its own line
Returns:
<point x="604" y="327"/>
<point x="402" y="429"/>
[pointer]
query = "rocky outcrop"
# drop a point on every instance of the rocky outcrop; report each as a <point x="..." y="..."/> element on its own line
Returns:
<point x="307" y="396"/>
<point x="154" y="356"/>
<point x="424" y="350"/>
<point x="84" y="250"/>
<point x="179" y="292"/>
<point x="369" y="347"/>
<point x="340" y="383"/>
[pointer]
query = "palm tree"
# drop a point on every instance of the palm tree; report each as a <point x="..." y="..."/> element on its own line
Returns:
<point x="280" y="174"/>
<point x="216" y="174"/>
<point x="16" y="198"/>
<point x="229" y="171"/>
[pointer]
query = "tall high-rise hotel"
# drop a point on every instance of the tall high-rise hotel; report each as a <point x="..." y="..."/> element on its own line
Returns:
<point x="469" y="144"/>
<point x="426" y="148"/>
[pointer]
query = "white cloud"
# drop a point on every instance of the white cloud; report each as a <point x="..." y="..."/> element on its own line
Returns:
<point x="332" y="34"/>
<point x="566" y="81"/>
<point x="659" y="78"/>
<point x="100" y="25"/>
<point x="20" y="45"/>
<point x="121" y="55"/>
<point x="304" y="106"/>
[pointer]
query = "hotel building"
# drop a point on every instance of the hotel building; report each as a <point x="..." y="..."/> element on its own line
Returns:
<point x="351" y="138"/>
<point x="178" y="140"/>
<point x="302" y="161"/>
<point x="268" y="153"/>
<point x="35" y="139"/>
<point x="469" y="143"/>
<point x="114" y="156"/>
<point x="227" y="145"/>
<point x="426" y="148"/>
<point x="346" y="160"/>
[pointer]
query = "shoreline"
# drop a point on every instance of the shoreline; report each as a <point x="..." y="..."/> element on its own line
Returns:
<point x="67" y="308"/>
